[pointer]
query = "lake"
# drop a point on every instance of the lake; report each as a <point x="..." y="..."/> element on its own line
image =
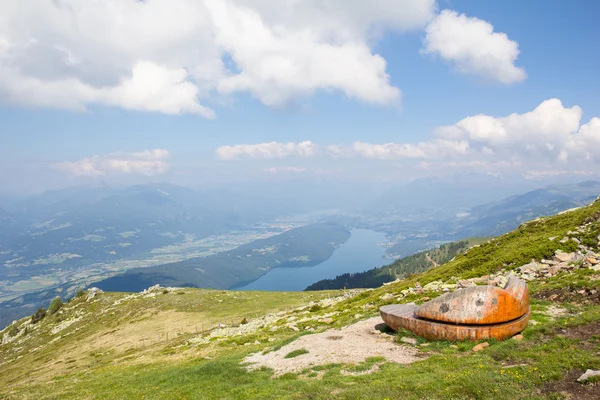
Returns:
<point x="360" y="253"/>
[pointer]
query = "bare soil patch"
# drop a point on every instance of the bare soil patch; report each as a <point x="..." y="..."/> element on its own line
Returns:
<point x="580" y="296"/>
<point x="571" y="389"/>
<point x="349" y="345"/>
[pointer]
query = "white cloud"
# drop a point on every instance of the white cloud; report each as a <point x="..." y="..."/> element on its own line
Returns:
<point x="548" y="136"/>
<point x="429" y="149"/>
<point x="279" y="170"/>
<point x="266" y="150"/>
<point x="148" y="162"/>
<point x="170" y="56"/>
<point x="547" y="131"/>
<point x="585" y="145"/>
<point x="473" y="47"/>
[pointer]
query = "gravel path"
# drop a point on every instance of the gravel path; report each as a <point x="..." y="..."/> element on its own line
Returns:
<point x="350" y="345"/>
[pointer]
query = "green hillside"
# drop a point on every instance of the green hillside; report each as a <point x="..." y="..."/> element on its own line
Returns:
<point x="399" y="269"/>
<point x="323" y="345"/>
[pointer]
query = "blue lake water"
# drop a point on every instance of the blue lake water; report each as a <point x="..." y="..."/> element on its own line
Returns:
<point x="360" y="253"/>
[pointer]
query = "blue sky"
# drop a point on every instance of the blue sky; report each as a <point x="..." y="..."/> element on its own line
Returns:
<point x="75" y="119"/>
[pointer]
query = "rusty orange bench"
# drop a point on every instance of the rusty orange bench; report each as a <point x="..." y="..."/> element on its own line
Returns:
<point x="473" y="313"/>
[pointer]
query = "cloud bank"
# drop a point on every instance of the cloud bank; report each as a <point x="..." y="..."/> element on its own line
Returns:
<point x="168" y="56"/>
<point x="550" y="133"/>
<point x="148" y="162"/>
<point x="174" y="56"/>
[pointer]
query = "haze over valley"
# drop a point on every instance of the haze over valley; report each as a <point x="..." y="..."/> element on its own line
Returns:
<point x="131" y="238"/>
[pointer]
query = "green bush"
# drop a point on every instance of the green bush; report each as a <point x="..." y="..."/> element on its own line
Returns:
<point x="13" y="331"/>
<point x="315" y="308"/>
<point x="244" y="321"/>
<point x="55" y="305"/>
<point x="79" y="293"/>
<point x="38" y="315"/>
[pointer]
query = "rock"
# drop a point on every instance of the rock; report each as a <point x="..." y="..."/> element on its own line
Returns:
<point x="326" y="320"/>
<point x="532" y="266"/>
<point x="445" y="290"/>
<point x="272" y="339"/>
<point x="294" y="328"/>
<point x="564" y="257"/>
<point x="453" y="346"/>
<point x="256" y="342"/>
<point x="93" y="292"/>
<point x="518" y="337"/>
<point x="588" y="374"/>
<point x="387" y="296"/>
<point x="480" y="346"/>
<point x="425" y="344"/>
<point x="592" y="260"/>
<point x="409" y="340"/>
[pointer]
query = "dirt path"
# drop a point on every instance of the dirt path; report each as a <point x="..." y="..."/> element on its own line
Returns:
<point x="350" y="345"/>
<point x="431" y="260"/>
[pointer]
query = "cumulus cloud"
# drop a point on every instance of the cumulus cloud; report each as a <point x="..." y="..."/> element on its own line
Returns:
<point x="473" y="47"/>
<point x="171" y="56"/>
<point x="549" y="131"/>
<point x="266" y="150"/>
<point x="148" y="162"/>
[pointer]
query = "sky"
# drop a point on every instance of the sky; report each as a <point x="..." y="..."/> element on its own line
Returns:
<point x="214" y="92"/>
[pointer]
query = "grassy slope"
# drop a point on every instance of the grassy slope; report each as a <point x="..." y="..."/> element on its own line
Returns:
<point x="551" y="349"/>
<point x="416" y="263"/>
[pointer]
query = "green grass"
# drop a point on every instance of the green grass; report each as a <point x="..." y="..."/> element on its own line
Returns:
<point x="450" y="374"/>
<point x="296" y="353"/>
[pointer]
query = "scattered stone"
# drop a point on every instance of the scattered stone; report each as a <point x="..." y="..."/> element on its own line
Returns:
<point x="93" y="292"/>
<point x="518" y="337"/>
<point x="294" y="328"/>
<point x="425" y="344"/>
<point x="387" y="296"/>
<point x="564" y="257"/>
<point x="256" y="342"/>
<point x="480" y="346"/>
<point x="409" y="340"/>
<point x="453" y="346"/>
<point x="326" y="321"/>
<point x="272" y="339"/>
<point x="588" y="374"/>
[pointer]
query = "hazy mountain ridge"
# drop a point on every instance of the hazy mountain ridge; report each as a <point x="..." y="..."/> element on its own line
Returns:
<point x="305" y="246"/>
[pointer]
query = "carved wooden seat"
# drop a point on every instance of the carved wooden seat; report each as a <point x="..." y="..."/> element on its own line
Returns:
<point x="473" y="313"/>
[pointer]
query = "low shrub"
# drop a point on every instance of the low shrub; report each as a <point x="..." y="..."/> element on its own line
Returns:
<point x="13" y="331"/>
<point x="38" y="315"/>
<point x="55" y="305"/>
